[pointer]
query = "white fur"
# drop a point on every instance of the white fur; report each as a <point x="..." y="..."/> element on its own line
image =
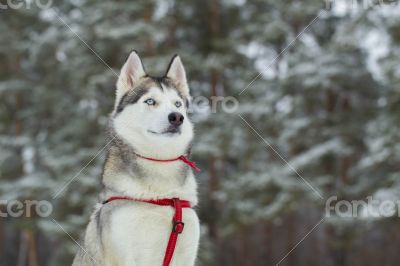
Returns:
<point x="177" y="72"/>
<point x="137" y="233"/>
<point x="135" y="122"/>
<point x="131" y="73"/>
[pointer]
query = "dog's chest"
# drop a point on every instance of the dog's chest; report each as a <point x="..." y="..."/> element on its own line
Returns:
<point x="140" y="232"/>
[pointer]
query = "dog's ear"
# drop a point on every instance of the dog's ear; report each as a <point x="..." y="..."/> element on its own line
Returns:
<point x="130" y="74"/>
<point x="177" y="73"/>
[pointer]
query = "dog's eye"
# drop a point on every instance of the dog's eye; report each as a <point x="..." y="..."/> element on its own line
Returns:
<point x="178" y="104"/>
<point x="150" y="101"/>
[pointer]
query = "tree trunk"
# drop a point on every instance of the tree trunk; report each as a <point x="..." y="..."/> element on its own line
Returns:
<point x="291" y="239"/>
<point x="32" y="255"/>
<point x="23" y="248"/>
<point x="148" y="14"/>
<point x="214" y="80"/>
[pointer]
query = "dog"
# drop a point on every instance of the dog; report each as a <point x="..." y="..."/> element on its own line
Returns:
<point x="150" y="135"/>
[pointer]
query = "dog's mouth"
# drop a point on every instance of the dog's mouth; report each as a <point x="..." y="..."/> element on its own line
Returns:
<point x="169" y="131"/>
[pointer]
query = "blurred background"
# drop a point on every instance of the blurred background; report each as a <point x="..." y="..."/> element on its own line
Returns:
<point x="320" y="120"/>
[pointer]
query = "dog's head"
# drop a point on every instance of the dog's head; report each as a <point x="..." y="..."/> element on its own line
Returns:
<point x="150" y="113"/>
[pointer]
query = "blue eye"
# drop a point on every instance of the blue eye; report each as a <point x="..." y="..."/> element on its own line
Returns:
<point x="178" y="104"/>
<point x="150" y="101"/>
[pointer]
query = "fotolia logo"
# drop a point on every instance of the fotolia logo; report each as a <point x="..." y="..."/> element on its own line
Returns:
<point x="26" y="209"/>
<point x="369" y="208"/>
<point x="26" y="4"/>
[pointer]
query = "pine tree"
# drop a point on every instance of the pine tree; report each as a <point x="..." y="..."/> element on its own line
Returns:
<point x="318" y="103"/>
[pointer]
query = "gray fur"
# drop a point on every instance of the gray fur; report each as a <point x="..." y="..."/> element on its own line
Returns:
<point x="124" y="156"/>
<point x="132" y="96"/>
<point x="120" y="159"/>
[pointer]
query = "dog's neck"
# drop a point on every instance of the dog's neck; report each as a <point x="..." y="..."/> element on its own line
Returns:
<point x="127" y="174"/>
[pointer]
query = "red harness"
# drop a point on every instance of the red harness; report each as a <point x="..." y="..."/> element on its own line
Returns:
<point x="182" y="158"/>
<point x="177" y="204"/>
<point x="177" y="223"/>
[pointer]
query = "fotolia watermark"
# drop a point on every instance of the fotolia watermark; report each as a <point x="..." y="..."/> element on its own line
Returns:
<point x="26" y="208"/>
<point x="26" y="4"/>
<point x="347" y="5"/>
<point x="373" y="208"/>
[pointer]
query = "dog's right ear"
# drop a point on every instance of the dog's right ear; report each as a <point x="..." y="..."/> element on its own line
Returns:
<point x="177" y="73"/>
<point x="130" y="74"/>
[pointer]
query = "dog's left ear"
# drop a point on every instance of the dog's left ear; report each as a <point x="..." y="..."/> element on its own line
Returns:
<point x="177" y="73"/>
<point x="130" y="75"/>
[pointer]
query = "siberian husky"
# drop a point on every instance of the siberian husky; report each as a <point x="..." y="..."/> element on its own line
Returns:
<point x="148" y="127"/>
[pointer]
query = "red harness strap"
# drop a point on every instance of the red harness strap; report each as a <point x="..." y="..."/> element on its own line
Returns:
<point x="182" y="158"/>
<point x="177" y="223"/>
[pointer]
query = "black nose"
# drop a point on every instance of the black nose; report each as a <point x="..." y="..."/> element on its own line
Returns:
<point x="175" y="118"/>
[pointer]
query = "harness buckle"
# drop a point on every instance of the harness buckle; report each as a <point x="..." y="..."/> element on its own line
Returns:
<point x="178" y="227"/>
